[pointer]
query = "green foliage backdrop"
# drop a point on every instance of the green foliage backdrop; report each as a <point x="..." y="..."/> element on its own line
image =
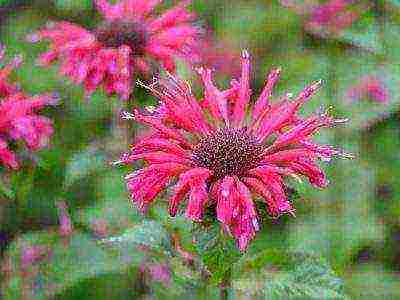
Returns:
<point x="354" y="225"/>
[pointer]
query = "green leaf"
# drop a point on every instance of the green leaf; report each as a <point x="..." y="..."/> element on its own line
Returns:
<point x="67" y="262"/>
<point x="217" y="250"/>
<point x="185" y="282"/>
<point x="367" y="38"/>
<point x="72" y="5"/>
<point x="333" y="228"/>
<point x="293" y="276"/>
<point x="113" y="210"/>
<point x="5" y="2"/>
<point x="5" y="190"/>
<point x="149" y="233"/>
<point x="83" y="164"/>
<point x="395" y="2"/>
<point x="311" y="278"/>
<point x="372" y="281"/>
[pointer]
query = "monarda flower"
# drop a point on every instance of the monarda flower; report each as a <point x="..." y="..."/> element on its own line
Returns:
<point x="129" y="40"/>
<point x="221" y="153"/>
<point x="19" y="120"/>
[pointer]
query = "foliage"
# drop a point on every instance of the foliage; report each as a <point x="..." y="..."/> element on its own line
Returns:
<point x="294" y="275"/>
<point x="343" y="242"/>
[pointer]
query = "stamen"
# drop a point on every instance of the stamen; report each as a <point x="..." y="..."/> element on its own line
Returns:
<point x="228" y="151"/>
<point x="341" y="121"/>
<point x="345" y="155"/>
<point x="116" y="33"/>
<point x="127" y="116"/>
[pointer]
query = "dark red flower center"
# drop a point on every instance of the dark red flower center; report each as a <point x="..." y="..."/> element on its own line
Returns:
<point x="228" y="151"/>
<point x="115" y="34"/>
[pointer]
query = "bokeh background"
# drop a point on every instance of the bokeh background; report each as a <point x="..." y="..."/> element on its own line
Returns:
<point x="354" y="223"/>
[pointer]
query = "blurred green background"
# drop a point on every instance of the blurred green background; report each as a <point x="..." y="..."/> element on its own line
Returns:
<point x="354" y="223"/>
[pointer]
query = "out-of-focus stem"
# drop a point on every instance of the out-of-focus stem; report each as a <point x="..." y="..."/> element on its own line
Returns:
<point x="224" y="289"/>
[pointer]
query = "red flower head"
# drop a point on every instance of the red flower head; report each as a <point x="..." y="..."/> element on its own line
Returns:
<point x="222" y="151"/>
<point x="122" y="46"/>
<point x="18" y="117"/>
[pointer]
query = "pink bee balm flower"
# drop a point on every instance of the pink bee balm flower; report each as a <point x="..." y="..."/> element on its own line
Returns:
<point x="66" y="227"/>
<point x="157" y="272"/>
<point x="334" y="15"/>
<point x="33" y="254"/>
<point x="19" y="120"/>
<point x="370" y="87"/>
<point x="222" y="151"/>
<point x="160" y="273"/>
<point x="130" y="38"/>
<point x="217" y="55"/>
<point x="331" y="17"/>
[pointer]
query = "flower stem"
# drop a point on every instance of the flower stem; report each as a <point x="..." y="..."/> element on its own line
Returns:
<point x="223" y="293"/>
<point x="224" y="287"/>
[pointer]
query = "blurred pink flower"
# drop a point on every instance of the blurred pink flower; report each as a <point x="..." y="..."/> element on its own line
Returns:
<point x="160" y="273"/>
<point x="66" y="228"/>
<point x="99" y="227"/>
<point x="33" y="254"/>
<point x="19" y="120"/>
<point x="124" y="45"/>
<point x="220" y="154"/>
<point x="369" y="87"/>
<point x="217" y="55"/>
<point x="331" y="17"/>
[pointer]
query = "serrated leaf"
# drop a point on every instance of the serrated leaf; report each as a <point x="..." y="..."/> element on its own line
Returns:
<point x="83" y="164"/>
<point x="217" y="251"/>
<point x="311" y="278"/>
<point x="295" y="276"/>
<point x="185" y="282"/>
<point x="148" y="233"/>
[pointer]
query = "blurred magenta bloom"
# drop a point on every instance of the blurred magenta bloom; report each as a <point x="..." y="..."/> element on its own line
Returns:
<point x="66" y="228"/>
<point x="99" y="227"/>
<point x="160" y="273"/>
<point x="222" y="149"/>
<point x="19" y="120"/>
<point x="31" y="254"/>
<point x="331" y="17"/>
<point x="125" y="44"/>
<point x="217" y="55"/>
<point x="369" y="87"/>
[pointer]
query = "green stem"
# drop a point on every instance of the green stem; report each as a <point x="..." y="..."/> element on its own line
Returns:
<point x="224" y="286"/>
<point x="223" y="291"/>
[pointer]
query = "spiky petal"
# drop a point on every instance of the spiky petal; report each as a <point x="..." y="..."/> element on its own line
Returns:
<point x="220" y="153"/>
<point x="19" y="119"/>
<point x="121" y="47"/>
